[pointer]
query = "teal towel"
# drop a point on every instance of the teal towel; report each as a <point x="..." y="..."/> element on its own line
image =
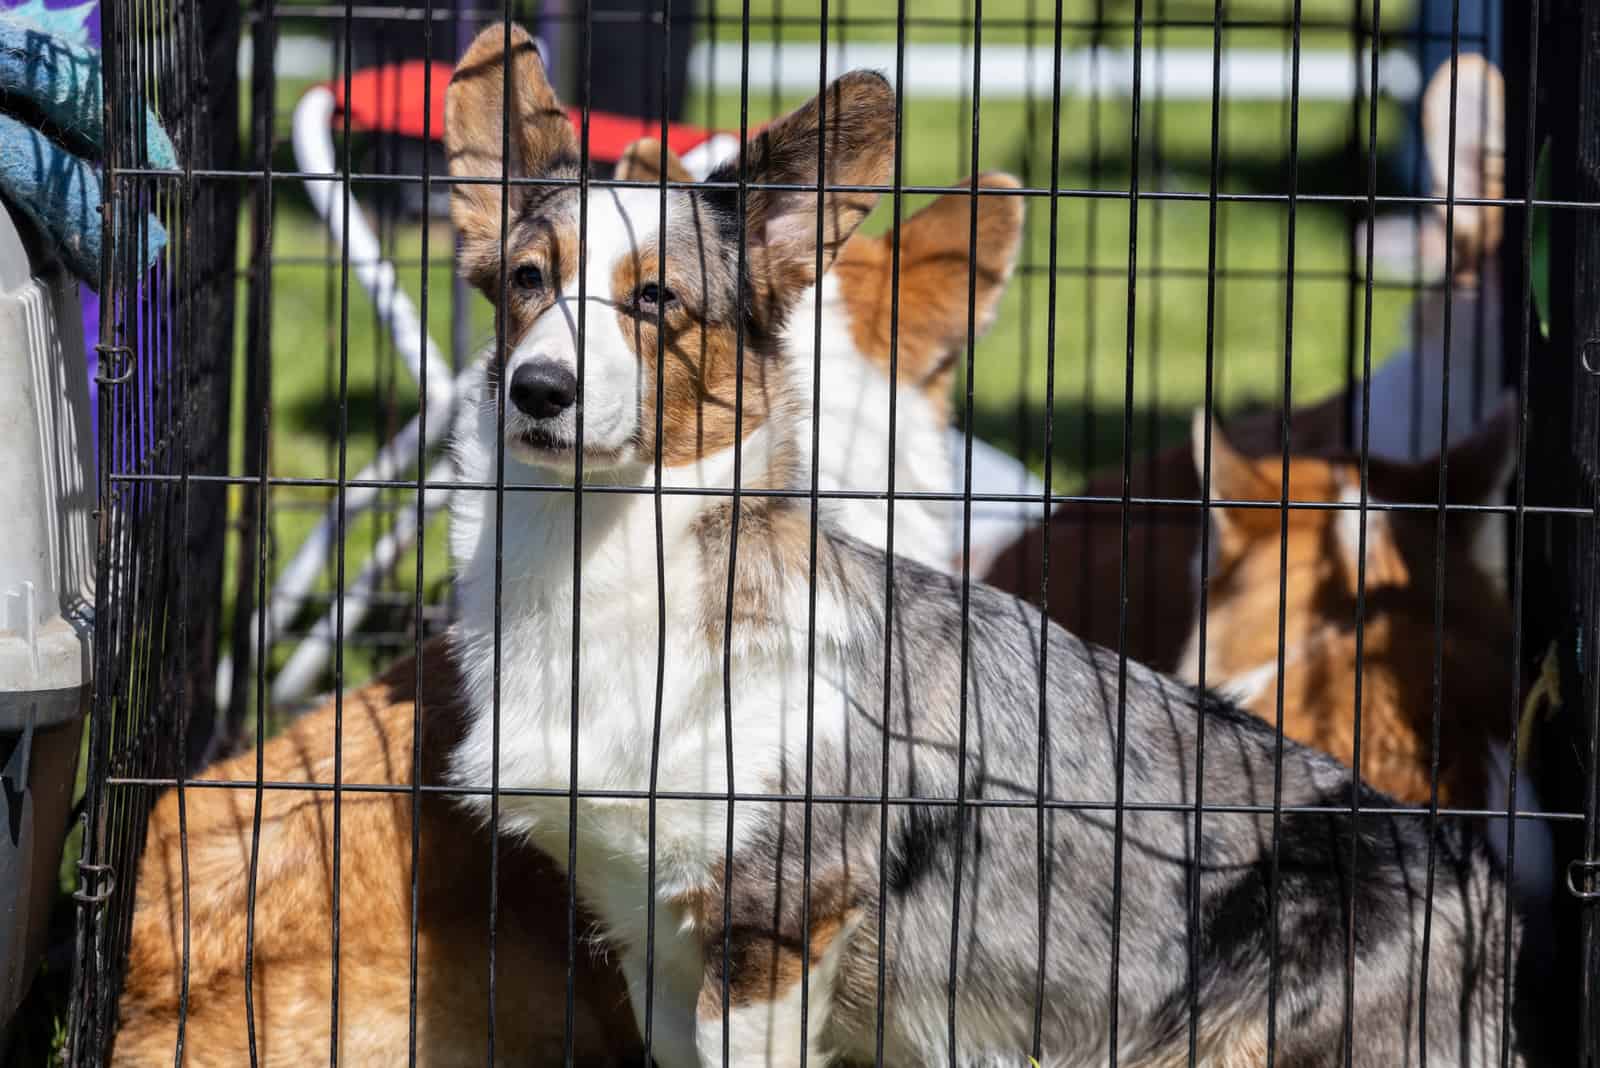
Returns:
<point x="61" y="194"/>
<point x="62" y="80"/>
<point x="53" y="182"/>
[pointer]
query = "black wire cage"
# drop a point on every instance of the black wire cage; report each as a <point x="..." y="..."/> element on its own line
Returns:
<point x="165" y="383"/>
<point x="1203" y="186"/>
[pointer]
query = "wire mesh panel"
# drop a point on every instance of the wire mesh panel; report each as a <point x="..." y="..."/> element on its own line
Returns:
<point x="166" y="339"/>
<point x="797" y="408"/>
<point x="1564" y="458"/>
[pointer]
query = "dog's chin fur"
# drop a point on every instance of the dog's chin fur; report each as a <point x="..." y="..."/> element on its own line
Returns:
<point x="560" y="459"/>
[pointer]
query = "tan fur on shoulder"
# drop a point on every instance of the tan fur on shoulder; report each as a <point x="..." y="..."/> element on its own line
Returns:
<point x="294" y="903"/>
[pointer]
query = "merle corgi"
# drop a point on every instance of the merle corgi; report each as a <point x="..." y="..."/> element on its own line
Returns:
<point x="798" y="781"/>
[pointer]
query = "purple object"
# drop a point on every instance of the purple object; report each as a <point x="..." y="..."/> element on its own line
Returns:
<point x="91" y="335"/>
<point x="89" y="298"/>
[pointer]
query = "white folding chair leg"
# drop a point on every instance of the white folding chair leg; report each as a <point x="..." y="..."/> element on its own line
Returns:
<point x="305" y="665"/>
<point x="314" y="154"/>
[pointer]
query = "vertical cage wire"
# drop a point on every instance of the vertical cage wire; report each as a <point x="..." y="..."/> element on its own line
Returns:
<point x="165" y="376"/>
<point x="1578" y="146"/>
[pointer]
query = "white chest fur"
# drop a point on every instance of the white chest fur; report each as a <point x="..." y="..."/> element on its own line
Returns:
<point x="855" y="444"/>
<point x="658" y="736"/>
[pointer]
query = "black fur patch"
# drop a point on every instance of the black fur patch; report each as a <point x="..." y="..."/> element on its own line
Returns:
<point x="1213" y="706"/>
<point x="926" y="841"/>
<point x="1319" y="897"/>
<point x="914" y="853"/>
<point x="722" y="204"/>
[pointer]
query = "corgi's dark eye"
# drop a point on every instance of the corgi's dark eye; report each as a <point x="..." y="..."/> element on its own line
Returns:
<point x="528" y="277"/>
<point x="652" y="297"/>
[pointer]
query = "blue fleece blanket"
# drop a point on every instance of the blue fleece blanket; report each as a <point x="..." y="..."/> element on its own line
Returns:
<point x="49" y="176"/>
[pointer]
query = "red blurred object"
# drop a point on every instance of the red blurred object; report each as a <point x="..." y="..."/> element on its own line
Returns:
<point x="395" y="98"/>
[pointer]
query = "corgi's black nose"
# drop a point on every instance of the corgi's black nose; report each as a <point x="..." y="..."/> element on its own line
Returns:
<point x="543" y="389"/>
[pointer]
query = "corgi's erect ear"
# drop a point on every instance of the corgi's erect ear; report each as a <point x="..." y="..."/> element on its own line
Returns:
<point x="541" y="140"/>
<point x="1479" y="470"/>
<point x="1479" y="466"/>
<point x="850" y="129"/>
<point x="641" y="162"/>
<point x="935" y="251"/>
<point x="1234" y="477"/>
<point x="1482" y="466"/>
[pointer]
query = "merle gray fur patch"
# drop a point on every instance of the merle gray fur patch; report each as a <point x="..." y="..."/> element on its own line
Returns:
<point x="1343" y="888"/>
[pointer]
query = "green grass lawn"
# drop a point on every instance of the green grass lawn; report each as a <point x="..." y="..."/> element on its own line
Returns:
<point x="1169" y="323"/>
<point x="1324" y="22"/>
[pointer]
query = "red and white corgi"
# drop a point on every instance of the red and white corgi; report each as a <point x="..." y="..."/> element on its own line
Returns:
<point x="1084" y="541"/>
<point x="187" y="987"/>
<point x="1320" y="595"/>
<point x="1308" y="567"/>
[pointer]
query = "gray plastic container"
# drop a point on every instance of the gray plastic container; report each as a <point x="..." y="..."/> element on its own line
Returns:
<point x="46" y="592"/>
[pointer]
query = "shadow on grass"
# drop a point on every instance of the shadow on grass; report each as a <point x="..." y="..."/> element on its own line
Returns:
<point x="369" y="410"/>
<point x="1332" y="158"/>
<point x="1084" y="438"/>
<point x="1326" y="171"/>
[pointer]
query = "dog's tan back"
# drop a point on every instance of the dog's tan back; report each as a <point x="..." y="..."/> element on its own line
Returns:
<point x="1319" y="583"/>
<point x="294" y="921"/>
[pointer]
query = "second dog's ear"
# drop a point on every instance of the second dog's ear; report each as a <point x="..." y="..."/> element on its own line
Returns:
<point x="845" y="137"/>
<point x="641" y="162"/>
<point x="1234" y="477"/>
<point x="935" y="251"/>
<point x="1479" y="466"/>
<point x="540" y="141"/>
<point x="1479" y="470"/>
